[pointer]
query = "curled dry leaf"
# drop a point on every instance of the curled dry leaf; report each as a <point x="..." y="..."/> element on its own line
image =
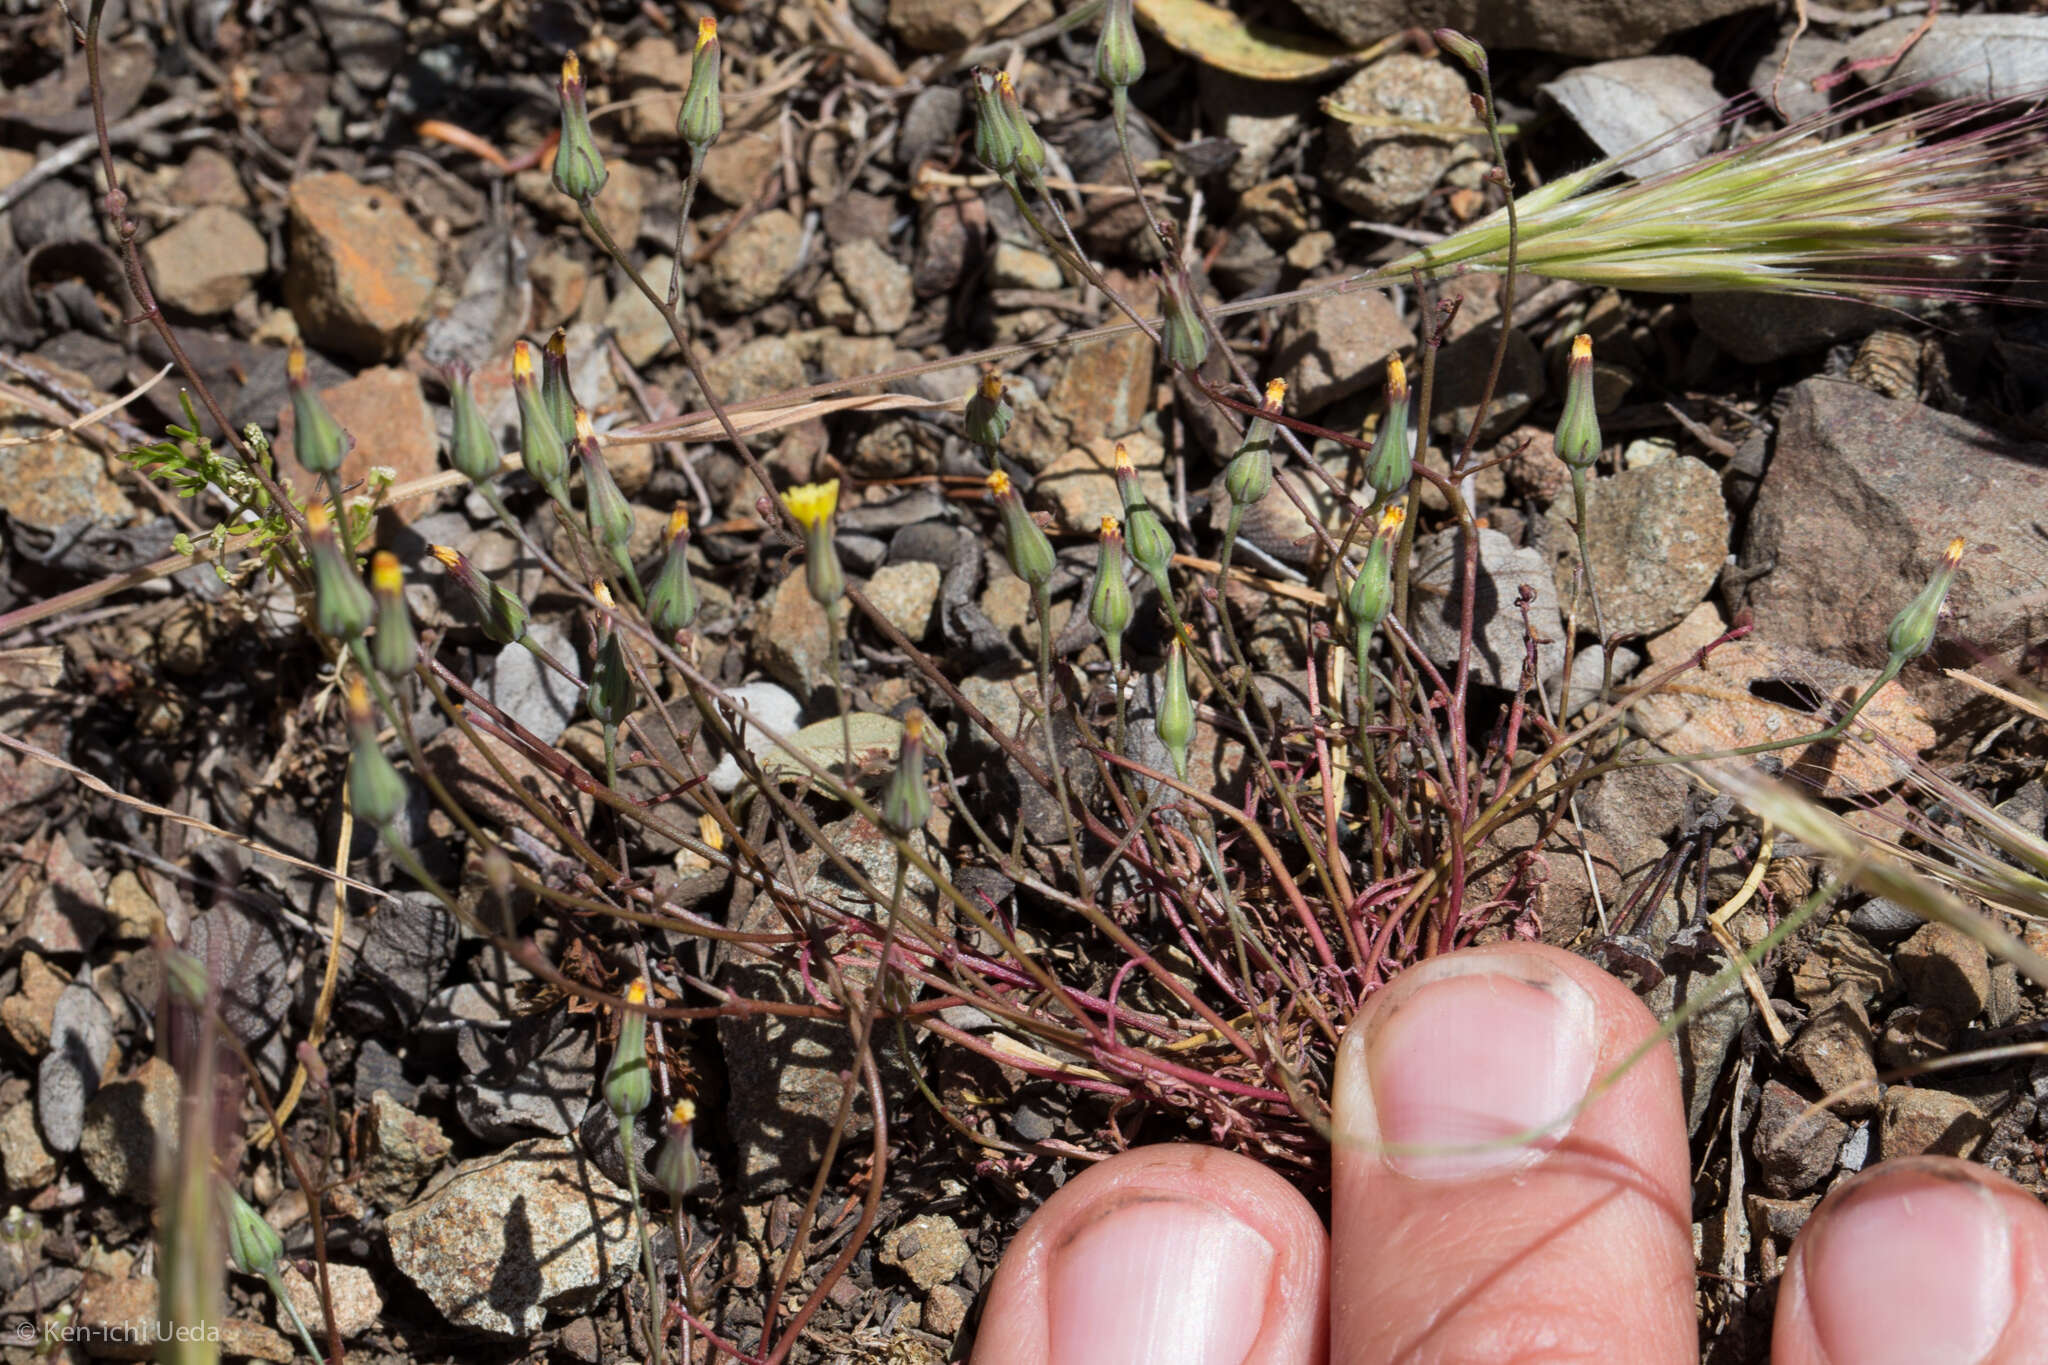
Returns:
<point x="1216" y="37"/>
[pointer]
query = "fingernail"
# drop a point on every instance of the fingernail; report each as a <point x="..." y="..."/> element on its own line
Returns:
<point x="1470" y="1053"/>
<point x="1160" y="1279"/>
<point x="1911" y="1269"/>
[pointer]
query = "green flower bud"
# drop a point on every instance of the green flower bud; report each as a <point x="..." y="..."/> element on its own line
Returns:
<point x="1151" y="543"/>
<point x="1183" y="340"/>
<point x="502" y="616"/>
<point x="394" y="649"/>
<point x="376" y="792"/>
<point x="811" y="506"/>
<point x="543" y="446"/>
<point x="677" y="1170"/>
<point x="317" y="439"/>
<point x="702" y="117"/>
<point x="342" y="609"/>
<point x="906" y="804"/>
<point x="1391" y="461"/>
<point x="1109" y="599"/>
<point x="996" y="141"/>
<point x="672" y="601"/>
<point x="1463" y="48"/>
<point x="1578" y="426"/>
<point x="609" y="697"/>
<point x="1031" y="555"/>
<point x="1030" y="160"/>
<point x="1119" y="56"/>
<point x="253" y="1244"/>
<point x="1249" y="476"/>
<point x="472" y="449"/>
<point x="611" y="516"/>
<point x="989" y="412"/>
<point x="1175" y="724"/>
<point x="579" y="166"/>
<point x="555" y="393"/>
<point x="1912" y="629"/>
<point x="1372" y="594"/>
<point x="628" y="1082"/>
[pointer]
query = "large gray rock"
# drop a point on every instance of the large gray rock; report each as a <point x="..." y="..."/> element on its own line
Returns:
<point x="1381" y="173"/>
<point x="1963" y="57"/>
<point x="1499" y="638"/>
<point x="1862" y="495"/>
<point x="1576" y="28"/>
<point x="1337" y="344"/>
<point x="1658" y="536"/>
<point x="1622" y="105"/>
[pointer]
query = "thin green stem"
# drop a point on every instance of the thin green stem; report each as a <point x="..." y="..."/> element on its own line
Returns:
<point x="1041" y="596"/>
<point x="835" y="622"/>
<point x="657" y="1309"/>
<point x="1120" y="117"/>
<point x="291" y="1310"/>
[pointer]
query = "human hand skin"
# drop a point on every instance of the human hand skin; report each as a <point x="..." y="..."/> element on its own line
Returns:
<point x="1448" y="1245"/>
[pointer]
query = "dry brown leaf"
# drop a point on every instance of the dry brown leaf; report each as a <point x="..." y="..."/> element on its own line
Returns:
<point x="1216" y="37"/>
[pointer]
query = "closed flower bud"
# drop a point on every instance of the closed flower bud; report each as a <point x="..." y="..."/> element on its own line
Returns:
<point x="1150" y="542"/>
<point x="543" y="446"/>
<point x="1371" y="594"/>
<point x="1175" y="723"/>
<point x="611" y="516"/>
<point x="811" y="506"/>
<point x="628" y="1082"/>
<point x="342" y="609"/>
<point x="1119" y="56"/>
<point x="702" y="117"/>
<point x="677" y="1170"/>
<point x="1031" y="555"/>
<point x="253" y="1244"/>
<point x="609" y="697"/>
<point x="502" y="616"/>
<point x="579" y="166"/>
<point x="1183" y="340"/>
<point x="1913" y="628"/>
<point x="1109" y="598"/>
<point x="995" y="137"/>
<point x="906" y="804"/>
<point x="1463" y="48"/>
<point x="1391" y="461"/>
<point x="672" y="601"/>
<point x="555" y="392"/>
<point x="317" y="439"/>
<point x="1249" y="476"/>
<point x="988" y="412"/>
<point x="394" y="649"/>
<point x="376" y="792"/>
<point x="1030" y="159"/>
<point x="1578" y="426"/>
<point x="472" y="449"/>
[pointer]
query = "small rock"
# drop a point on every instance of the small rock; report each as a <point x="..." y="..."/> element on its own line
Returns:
<point x="26" y="1014"/>
<point x="647" y="74"/>
<point x="133" y="913"/>
<point x="738" y="162"/>
<point x="1758" y="329"/>
<point x="1337" y="344"/>
<point x="1499" y="638"/>
<point x="1274" y="210"/>
<point x="877" y="283"/>
<point x="1790" y="83"/>
<point x="943" y="25"/>
<point x="125" y="1124"/>
<point x="1884" y="919"/>
<point x="636" y="324"/>
<point x="473" y="780"/>
<point x="906" y="595"/>
<point x="1979" y="57"/>
<point x="749" y="268"/>
<point x="1013" y="267"/>
<point x="208" y="177"/>
<point x="1916" y="1122"/>
<point x="929" y="1249"/>
<point x="1104" y="387"/>
<point x="1658" y="536"/>
<point x="762" y="366"/>
<point x="386" y="410"/>
<point x="508" y="1238"/>
<point x="357" y="1303"/>
<point x="579" y="1342"/>
<point x="1914" y="1034"/>
<point x="1577" y="30"/>
<point x="207" y="263"/>
<point x="1623" y="104"/>
<point x="403" y="1149"/>
<point x="773" y="711"/>
<point x="1842" y="960"/>
<point x="1947" y="969"/>
<point x="794" y="642"/>
<point x="117" y="1316"/>
<point x="1834" y="1051"/>
<point x="1462" y="370"/>
<point x="48" y="482"/>
<point x="66" y="914"/>
<point x="1080" y="486"/>
<point x="533" y="694"/>
<point x="81" y="1041"/>
<point x="945" y="1311"/>
<point x="27" y="1164"/>
<point x="1794" y="1154"/>
<point x="1382" y="175"/>
<point x="362" y="272"/>
<point x="1780" y="1218"/>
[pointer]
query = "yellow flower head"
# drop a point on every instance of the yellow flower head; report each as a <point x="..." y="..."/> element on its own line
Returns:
<point x="812" y="504"/>
<point x="295" y="363"/>
<point x="991" y="386"/>
<point x="913" y="727"/>
<point x="1953" y="555"/>
<point x="1582" y="348"/>
<point x="999" y="484"/>
<point x="678" y="521"/>
<point x="707" y="32"/>
<point x="603" y="594"/>
<point x="572" y="70"/>
<point x="1110" y="528"/>
<point x="1003" y="83"/>
<point x="446" y="555"/>
<point x="685" y="1111"/>
<point x="1391" y="519"/>
<point x="636" y="994"/>
<point x="384" y="572"/>
<point x="1123" y="459"/>
<point x="1397" y="377"/>
<point x="584" y="430"/>
<point x="522" y="361"/>
<point x="1276" y="392"/>
<point x="318" y="518"/>
<point x="358" y="701"/>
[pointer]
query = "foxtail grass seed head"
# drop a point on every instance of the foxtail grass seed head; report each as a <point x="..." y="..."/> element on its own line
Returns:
<point x="543" y="446"/>
<point x="1150" y="543"/>
<point x="394" y="649"/>
<point x="254" y="1246"/>
<point x="1249" y="476"/>
<point x="1391" y="461"/>
<point x="906" y="803"/>
<point x="502" y="616"/>
<point x="989" y="412"/>
<point x="628" y="1081"/>
<point x="1183" y="340"/>
<point x="1371" y="594"/>
<point x="1119" y="56"/>
<point x="996" y="142"/>
<point x="1578" y="426"/>
<point x="1109" y="598"/>
<point x="1030" y="160"/>
<point x="579" y="166"/>
<point x="342" y="609"/>
<point x="1030" y="553"/>
<point x="702" y="117"/>
<point x="555" y="390"/>
<point x="609" y="697"/>
<point x="672" y="601"/>
<point x="811" y="506"/>
<point x="317" y="439"/>
<point x="677" y="1170"/>
<point x="1912" y="630"/>
<point x="376" y="792"/>
<point x="611" y="516"/>
<point x="1463" y="48"/>
<point x="1175" y="724"/>
<point x="472" y="449"/>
